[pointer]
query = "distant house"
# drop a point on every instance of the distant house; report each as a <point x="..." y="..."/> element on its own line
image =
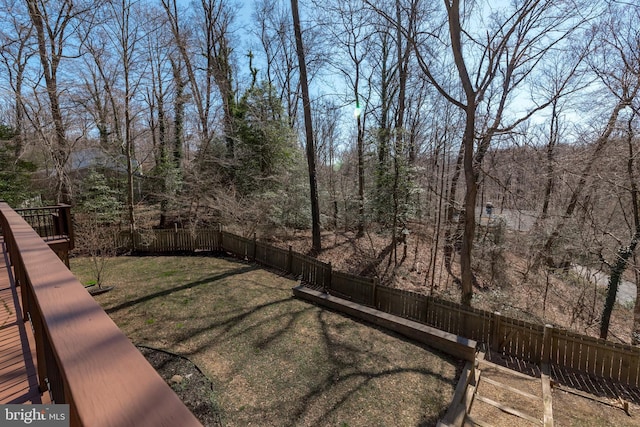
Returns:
<point x="113" y="167"/>
<point x="80" y="164"/>
<point x="82" y="161"/>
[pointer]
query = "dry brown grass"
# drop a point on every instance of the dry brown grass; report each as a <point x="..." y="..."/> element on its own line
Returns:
<point x="274" y="360"/>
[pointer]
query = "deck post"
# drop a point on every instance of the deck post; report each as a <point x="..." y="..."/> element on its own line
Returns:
<point x="41" y="350"/>
<point x="66" y="221"/>
<point x="20" y="277"/>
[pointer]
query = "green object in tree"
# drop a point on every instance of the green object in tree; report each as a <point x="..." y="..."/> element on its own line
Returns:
<point x="100" y="199"/>
<point x="15" y="173"/>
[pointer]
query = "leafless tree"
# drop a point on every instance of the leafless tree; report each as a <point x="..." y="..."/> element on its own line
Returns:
<point x="126" y="34"/>
<point x="491" y="64"/>
<point x="617" y="64"/>
<point x="53" y="24"/>
<point x="279" y="47"/>
<point x="16" y="49"/>
<point x="613" y="64"/>
<point x="308" y="121"/>
<point x="349" y="30"/>
<point x="213" y="21"/>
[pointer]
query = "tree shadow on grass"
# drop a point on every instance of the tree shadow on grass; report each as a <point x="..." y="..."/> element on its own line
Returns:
<point x="345" y="378"/>
<point x="363" y="377"/>
<point x="233" y="323"/>
<point x="226" y="327"/>
<point x="190" y="285"/>
<point x="258" y="327"/>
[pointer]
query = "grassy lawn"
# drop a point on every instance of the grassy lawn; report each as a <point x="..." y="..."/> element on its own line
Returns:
<point x="274" y="360"/>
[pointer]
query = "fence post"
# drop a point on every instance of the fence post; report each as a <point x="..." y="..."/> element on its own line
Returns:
<point x="374" y="293"/>
<point x="290" y="260"/>
<point x="427" y="304"/>
<point x="545" y="357"/>
<point x="254" y="246"/>
<point x="326" y="283"/>
<point x="496" y="327"/>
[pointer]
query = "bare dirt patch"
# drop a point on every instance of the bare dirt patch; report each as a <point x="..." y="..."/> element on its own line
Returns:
<point x="188" y="382"/>
<point x="274" y="360"/>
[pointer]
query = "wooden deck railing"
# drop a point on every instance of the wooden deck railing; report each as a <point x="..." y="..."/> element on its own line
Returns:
<point x="54" y="225"/>
<point x="50" y="222"/>
<point x="83" y="358"/>
<point x="532" y="342"/>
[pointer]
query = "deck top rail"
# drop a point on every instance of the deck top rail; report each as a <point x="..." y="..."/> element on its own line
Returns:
<point x="84" y="359"/>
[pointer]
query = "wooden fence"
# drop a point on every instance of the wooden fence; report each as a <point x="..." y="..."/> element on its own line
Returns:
<point x="528" y="341"/>
<point x="161" y="241"/>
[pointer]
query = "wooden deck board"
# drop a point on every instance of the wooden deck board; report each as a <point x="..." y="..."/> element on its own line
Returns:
<point x="9" y="340"/>
<point x="12" y="370"/>
<point x="18" y="374"/>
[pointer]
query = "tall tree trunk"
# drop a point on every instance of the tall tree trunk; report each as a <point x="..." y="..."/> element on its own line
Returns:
<point x="468" y="140"/>
<point x="179" y="105"/>
<point x="16" y="64"/>
<point x="308" y="125"/>
<point x="624" y="253"/>
<point x="635" y="205"/>
<point x="383" y="132"/>
<point x="202" y="88"/>
<point x="127" y="45"/>
<point x="403" y="64"/>
<point x="19" y="124"/>
<point x="553" y="139"/>
<point x="360" y="148"/>
<point x="163" y="160"/>
<point x="615" y="275"/>
<point x="450" y="233"/>
<point x="129" y="151"/>
<point x="635" y="331"/>
<point x="470" y="175"/>
<point x="50" y="62"/>
<point x="441" y="197"/>
<point x="172" y="167"/>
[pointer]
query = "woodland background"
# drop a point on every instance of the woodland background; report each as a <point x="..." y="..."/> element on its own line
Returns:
<point x="368" y="133"/>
